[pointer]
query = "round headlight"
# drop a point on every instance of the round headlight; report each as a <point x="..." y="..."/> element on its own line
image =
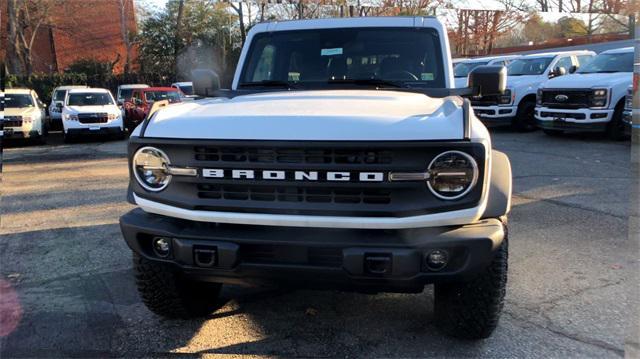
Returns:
<point x="452" y="174"/>
<point x="150" y="169"/>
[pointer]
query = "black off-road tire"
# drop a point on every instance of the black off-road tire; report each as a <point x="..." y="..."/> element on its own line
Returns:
<point x="471" y="310"/>
<point x="615" y="127"/>
<point x="67" y="138"/>
<point x="167" y="293"/>
<point x="524" y="120"/>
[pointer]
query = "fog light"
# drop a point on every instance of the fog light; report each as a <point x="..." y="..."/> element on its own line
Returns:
<point x="161" y="247"/>
<point x="436" y="259"/>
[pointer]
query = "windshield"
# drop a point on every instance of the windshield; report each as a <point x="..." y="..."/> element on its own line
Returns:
<point x="532" y="66"/>
<point x="622" y="62"/>
<point x="355" y="56"/>
<point x="125" y="94"/>
<point x="17" y="100"/>
<point x="186" y="89"/>
<point x="463" y="68"/>
<point x="171" y="96"/>
<point x="89" y="99"/>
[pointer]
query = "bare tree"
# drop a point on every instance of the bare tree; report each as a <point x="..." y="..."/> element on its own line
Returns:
<point x="127" y="36"/>
<point x="25" y="18"/>
<point x="238" y="10"/>
<point x="478" y="30"/>
<point x="176" y="38"/>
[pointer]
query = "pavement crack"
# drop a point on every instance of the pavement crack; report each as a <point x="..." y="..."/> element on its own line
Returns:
<point x="579" y="292"/>
<point x="569" y="205"/>
<point x="572" y="336"/>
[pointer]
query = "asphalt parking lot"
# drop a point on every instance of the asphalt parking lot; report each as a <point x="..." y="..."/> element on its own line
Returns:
<point x="68" y="290"/>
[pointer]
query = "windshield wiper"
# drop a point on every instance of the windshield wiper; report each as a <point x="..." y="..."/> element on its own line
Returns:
<point x="365" y="82"/>
<point x="268" y="83"/>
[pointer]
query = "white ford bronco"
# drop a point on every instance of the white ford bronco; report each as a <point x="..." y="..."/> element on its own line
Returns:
<point x="341" y="157"/>
<point x="525" y="74"/>
<point x="591" y="99"/>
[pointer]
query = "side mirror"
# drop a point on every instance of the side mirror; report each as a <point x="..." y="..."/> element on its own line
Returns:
<point x="573" y="69"/>
<point x="205" y="82"/>
<point x="558" y="71"/>
<point x="59" y="106"/>
<point x="488" y="80"/>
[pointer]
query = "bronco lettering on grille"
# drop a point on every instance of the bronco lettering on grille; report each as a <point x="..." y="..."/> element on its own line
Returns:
<point x="334" y="176"/>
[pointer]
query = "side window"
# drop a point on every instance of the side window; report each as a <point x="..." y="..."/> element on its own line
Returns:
<point x="565" y="62"/>
<point x="584" y="59"/>
<point x="59" y="96"/>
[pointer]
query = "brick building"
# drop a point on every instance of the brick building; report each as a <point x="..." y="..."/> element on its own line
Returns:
<point x="79" y="29"/>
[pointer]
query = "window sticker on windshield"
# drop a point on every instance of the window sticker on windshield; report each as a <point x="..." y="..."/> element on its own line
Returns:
<point x="331" y="52"/>
<point x="426" y="76"/>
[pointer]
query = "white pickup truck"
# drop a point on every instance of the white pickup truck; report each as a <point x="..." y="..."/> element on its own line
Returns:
<point x="591" y="99"/>
<point x="516" y="106"/>
<point x="462" y="68"/>
<point x="342" y="156"/>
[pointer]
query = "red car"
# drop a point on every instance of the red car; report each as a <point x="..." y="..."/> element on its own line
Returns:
<point x="137" y="107"/>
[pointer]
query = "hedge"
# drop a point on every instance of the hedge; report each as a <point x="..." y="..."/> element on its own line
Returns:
<point x="43" y="84"/>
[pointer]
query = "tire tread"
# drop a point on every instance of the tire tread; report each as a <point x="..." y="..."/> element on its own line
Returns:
<point x="471" y="310"/>
<point x="165" y="292"/>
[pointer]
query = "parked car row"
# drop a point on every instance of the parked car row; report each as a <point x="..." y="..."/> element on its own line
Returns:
<point x="555" y="91"/>
<point x="79" y="111"/>
<point x="559" y="91"/>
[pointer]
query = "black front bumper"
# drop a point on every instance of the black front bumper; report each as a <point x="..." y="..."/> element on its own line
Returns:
<point x="316" y="257"/>
<point x="97" y="132"/>
<point x="572" y="126"/>
<point x="10" y="133"/>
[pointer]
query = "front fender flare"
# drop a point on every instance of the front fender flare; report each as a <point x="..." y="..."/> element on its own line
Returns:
<point x="501" y="186"/>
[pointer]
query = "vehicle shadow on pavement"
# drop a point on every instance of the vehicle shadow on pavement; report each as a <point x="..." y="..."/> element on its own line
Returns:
<point x="55" y="139"/>
<point x="77" y="297"/>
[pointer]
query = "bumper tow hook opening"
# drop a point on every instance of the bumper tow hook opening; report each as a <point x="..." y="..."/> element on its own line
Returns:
<point x="204" y="257"/>
<point x="377" y="264"/>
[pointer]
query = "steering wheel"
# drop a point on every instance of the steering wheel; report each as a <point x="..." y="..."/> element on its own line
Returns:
<point x="401" y="75"/>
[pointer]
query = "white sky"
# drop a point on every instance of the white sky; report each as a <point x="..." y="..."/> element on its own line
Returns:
<point x="459" y="4"/>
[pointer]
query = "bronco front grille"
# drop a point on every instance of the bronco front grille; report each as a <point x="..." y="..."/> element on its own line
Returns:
<point x="292" y="155"/>
<point x="303" y="196"/>
<point x="569" y="99"/>
<point x="294" y="194"/>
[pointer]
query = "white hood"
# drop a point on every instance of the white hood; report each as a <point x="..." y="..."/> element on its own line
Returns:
<point x="578" y="80"/>
<point x="113" y="109"/>
<point x="23" y="111"/>
<point x="336" y="115"/>
<point x="524" y="80"/>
